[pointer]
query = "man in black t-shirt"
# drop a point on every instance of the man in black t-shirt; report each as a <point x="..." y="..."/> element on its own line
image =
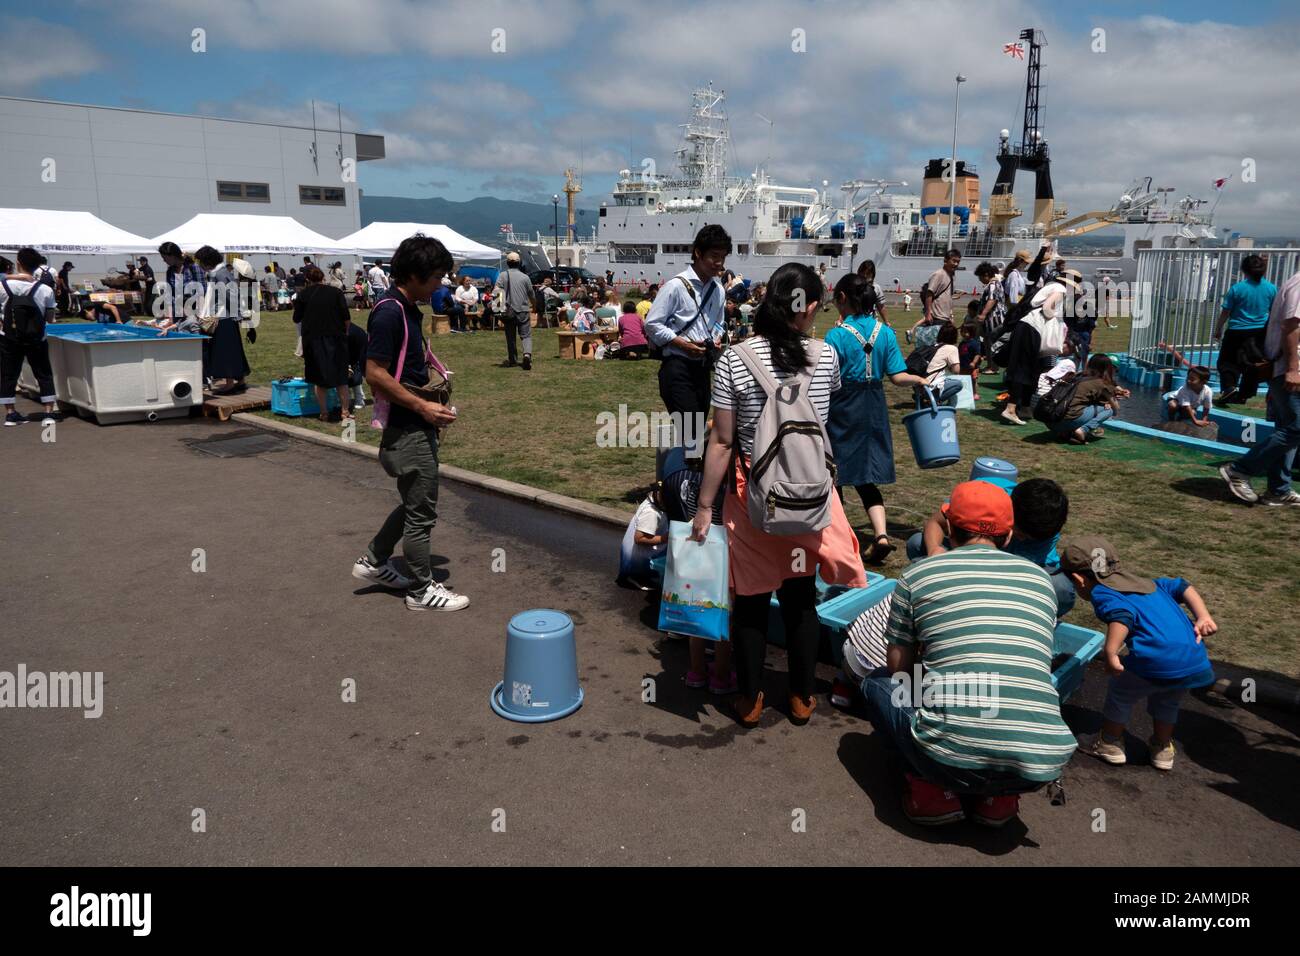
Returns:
<point x="408" y="449"/>
<point x="146" y="284"/>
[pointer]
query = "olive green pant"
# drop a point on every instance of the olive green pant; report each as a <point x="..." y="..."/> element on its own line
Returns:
<point x="409" y="454"/>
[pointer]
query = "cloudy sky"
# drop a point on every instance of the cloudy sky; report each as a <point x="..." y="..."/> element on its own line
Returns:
<point x="1186" y="92"/>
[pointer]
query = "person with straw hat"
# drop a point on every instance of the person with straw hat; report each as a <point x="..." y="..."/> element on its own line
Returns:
<point x="1036" y="338"/>
<point x="1013" y="282"/>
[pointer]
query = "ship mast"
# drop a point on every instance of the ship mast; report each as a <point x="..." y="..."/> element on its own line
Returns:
<point x="704" y="157"/>
<point x="1032" y="154"/>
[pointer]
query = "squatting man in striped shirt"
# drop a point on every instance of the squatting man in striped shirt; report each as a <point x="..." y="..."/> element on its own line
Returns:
<point x="985" y="620"/>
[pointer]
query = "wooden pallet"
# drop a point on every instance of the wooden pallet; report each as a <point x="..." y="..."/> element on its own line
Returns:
<point x="223" y="406"/>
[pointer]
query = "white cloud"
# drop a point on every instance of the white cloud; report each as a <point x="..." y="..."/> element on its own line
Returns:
<point x="591" y="82"/>
<point x="461" y="28"/>
<point x="33" y="52"/>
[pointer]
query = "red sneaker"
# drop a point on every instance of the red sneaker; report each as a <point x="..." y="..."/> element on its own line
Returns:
<point x="930" y="805"/>
<point x="841" y="693"/>
<point x="996" y="811"/>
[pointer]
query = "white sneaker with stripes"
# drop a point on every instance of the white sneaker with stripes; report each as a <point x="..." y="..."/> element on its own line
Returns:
<point x="436" y="597"/>
<point x="386" y="576"/>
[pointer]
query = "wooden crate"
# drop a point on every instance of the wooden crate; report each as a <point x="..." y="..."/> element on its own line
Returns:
<point x="574" y="345"/>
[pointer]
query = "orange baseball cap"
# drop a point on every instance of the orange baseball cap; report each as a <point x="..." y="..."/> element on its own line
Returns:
<point x="981" y="508"/>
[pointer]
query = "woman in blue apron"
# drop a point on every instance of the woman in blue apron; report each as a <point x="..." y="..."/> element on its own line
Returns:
<point x="859" y="420"/>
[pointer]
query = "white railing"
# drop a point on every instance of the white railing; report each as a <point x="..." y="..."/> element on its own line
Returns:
<point x="1178" y="295"/>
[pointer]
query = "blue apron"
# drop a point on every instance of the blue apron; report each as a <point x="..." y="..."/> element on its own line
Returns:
<point x="858" y="426"/>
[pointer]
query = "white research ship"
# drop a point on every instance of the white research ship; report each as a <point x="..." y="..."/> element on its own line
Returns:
<point x="646" y="228"/>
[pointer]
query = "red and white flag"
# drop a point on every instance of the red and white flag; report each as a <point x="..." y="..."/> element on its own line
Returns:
<point x="1218" y="183"/>
<point x="507" y="227"/>
<point x="1016" y="50"/>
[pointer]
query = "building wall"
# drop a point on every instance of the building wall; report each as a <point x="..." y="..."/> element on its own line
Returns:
<point x="149" y="172"/>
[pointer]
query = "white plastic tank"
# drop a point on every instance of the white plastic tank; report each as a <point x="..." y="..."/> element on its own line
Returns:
<point x="124" y="373"/>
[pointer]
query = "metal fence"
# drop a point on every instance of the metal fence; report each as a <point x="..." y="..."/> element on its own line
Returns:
<point x="1178" y="295"/>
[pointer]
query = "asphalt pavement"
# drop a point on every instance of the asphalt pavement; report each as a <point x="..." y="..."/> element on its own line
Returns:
<point x="223" y="692"/>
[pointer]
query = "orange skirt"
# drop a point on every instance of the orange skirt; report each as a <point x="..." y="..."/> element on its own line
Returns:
<point x="760" y="561"/>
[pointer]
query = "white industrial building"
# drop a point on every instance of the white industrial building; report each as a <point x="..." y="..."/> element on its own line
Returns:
<point x="148" y="172"/>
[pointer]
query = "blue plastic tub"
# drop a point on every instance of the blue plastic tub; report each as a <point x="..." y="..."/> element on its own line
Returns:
<point x="91" y="332"/>
<point x="296" y="398"/>
<point x="1075" y="647"/>
<point x="842" y="610"/>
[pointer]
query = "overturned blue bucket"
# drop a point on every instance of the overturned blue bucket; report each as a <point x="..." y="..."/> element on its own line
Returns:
<point x="996" y="470"/>
<point x="541" y="671"/>
<point x="933" y="434"/>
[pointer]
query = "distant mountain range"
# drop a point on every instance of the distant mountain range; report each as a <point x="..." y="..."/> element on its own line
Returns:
<point x="479" y="219"/>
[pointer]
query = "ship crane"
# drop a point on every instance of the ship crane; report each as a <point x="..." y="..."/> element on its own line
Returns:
<point x="854" y="186"/>
<point x="1131" y="207"/>
<point x="1031" y="155"/>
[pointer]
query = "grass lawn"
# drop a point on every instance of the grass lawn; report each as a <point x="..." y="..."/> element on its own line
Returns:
<point x="1163" y="507"/>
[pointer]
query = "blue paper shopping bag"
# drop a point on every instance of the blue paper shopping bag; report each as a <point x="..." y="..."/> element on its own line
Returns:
<point x="696" y="600"/>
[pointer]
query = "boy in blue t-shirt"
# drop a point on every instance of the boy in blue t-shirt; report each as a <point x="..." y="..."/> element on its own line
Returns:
<point x="1041" y="508"/>
<point x="1165" y="650"/>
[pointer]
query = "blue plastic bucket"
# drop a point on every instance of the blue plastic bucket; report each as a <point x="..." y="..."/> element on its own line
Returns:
<point x="541" y="669"/>
<point x="933" y="434"/>
<point x="986" y="467"/>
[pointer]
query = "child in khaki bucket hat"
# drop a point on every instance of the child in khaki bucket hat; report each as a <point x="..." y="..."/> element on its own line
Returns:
<point x="1165" y="650"/>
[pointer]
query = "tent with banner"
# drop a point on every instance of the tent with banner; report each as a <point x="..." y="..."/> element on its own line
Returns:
<point x="379" y="240"/>
<point x="62" y="232"/>
<point x="247" y="235"/>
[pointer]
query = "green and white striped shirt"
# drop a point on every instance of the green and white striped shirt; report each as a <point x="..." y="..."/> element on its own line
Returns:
<point x="986" y="621"/>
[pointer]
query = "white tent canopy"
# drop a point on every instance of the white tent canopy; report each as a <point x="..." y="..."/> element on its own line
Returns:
<point x="61" y="232"/>
<point x="381" y="239"/>
<point x="235" y="233"/>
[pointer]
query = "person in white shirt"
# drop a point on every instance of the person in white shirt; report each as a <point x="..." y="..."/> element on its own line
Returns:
<point x="466" y="294"/>
<point x="686" y="321"/>
<point x="945" y="361"/>
<point x="378" y="281"/>
<point x="22" y="335"/>
<point x="1013" y="281"/>
<point x="1193" y="396"/>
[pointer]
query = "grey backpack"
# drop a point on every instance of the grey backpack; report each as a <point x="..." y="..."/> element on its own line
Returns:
<point x="792" y="473"/>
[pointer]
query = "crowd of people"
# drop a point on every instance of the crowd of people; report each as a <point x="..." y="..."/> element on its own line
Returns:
<point x="793" y="421"/>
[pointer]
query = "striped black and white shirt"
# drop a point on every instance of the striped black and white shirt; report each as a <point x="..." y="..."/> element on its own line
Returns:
<point x="736" y="390"/>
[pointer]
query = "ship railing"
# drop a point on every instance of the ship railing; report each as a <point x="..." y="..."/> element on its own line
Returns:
<point x="1177" y="295"/>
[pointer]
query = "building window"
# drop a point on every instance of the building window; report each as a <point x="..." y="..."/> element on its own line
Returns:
<point x="322" y="196"/>
<point x="243" y="192"/>
<point x="874" y="219"/>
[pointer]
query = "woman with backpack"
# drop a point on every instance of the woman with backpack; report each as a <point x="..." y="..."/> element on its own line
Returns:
<point x="1093" y="401"/>
<point x="772" y="462"/>
<point x="27" y="306"/>
<point x="1035" y="338"/>
<point x="867" y="350"/>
